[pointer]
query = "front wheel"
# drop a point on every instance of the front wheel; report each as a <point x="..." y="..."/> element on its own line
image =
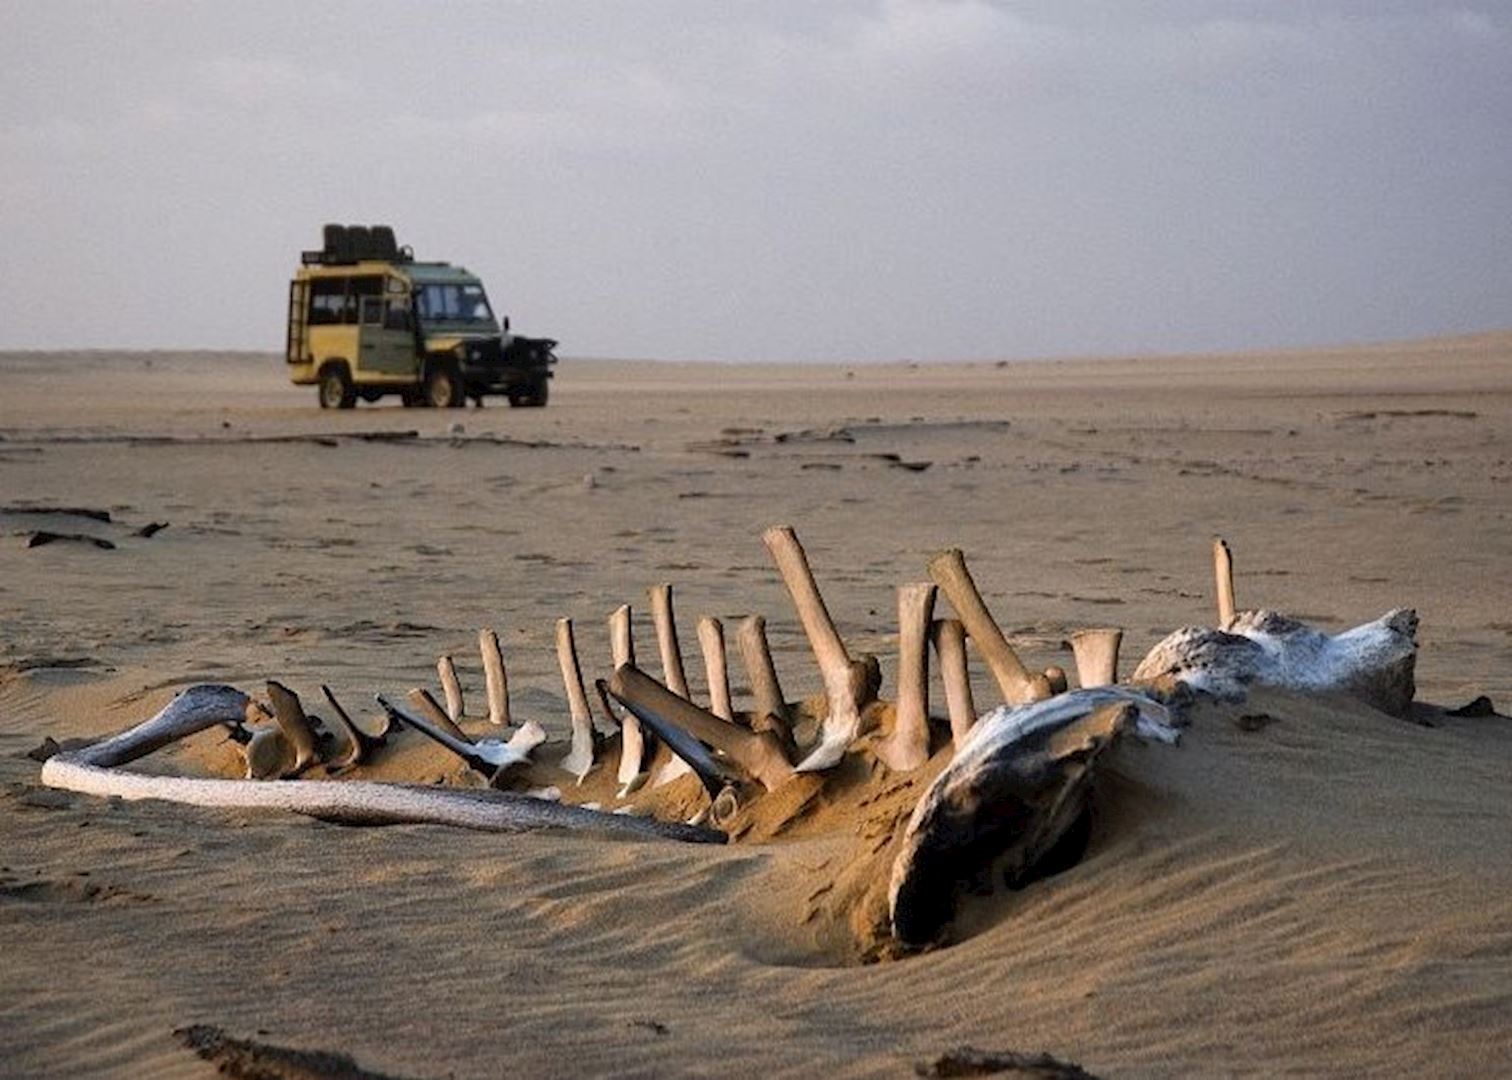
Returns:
<point x="336" y="388"/>
<point x="443" y="387"/>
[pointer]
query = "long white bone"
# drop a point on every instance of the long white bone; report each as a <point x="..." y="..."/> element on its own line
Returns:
<point x="949" y="639"/>
<point x="93" y="770"/>
<point x="843" y="722"/>
<point x="1018" y="686"/>
<point x="494" y="678"/>
<point x="907" y="746"/>
<point x="451" y="688"/>
<point x="631" y="773"/>
<point x="711" y="643"/>
<point x="579" y="759"/>
<point x="1223" y="580"/>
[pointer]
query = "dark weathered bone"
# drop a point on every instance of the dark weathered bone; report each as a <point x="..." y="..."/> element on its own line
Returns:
<point x="359" y="743"/>
<point x="761" y="673"/>
<point x="1055" y="679"/>
<point x="632" y="763"/>
<point x="843" y="722"/>
<point x="579" y="759"/>
<point x="1018" y="686"/>
<point x="487" y="757"/>
<point x="1096" y="653"/>
<point x="422" y="700"/>
<point x="714" y="775"/>
<point x="949" y="638"/>
<point x="450" y="688"/>
<point x="92" y="770"/>
<point x="495" y="680"/>
<point x="1013" y="793"/>
<point x="711" y="643"/>
<point x="1223" y="575"/>
<point x="293" y="724"/>
<point x="907" y="746"/>
<point x="760" y="755"/>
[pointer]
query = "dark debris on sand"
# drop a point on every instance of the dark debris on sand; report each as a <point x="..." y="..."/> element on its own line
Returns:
<point x="243" y="1059"/>
<point x="969" y="1061"/>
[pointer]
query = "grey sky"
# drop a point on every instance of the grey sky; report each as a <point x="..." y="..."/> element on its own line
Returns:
<point x="775" y="180"/>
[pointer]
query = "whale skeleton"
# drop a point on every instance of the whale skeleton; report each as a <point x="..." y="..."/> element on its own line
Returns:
<point x="1013" y="793"/>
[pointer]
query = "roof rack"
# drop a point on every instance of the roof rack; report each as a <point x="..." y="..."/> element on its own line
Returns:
<point x="344" y="244"/>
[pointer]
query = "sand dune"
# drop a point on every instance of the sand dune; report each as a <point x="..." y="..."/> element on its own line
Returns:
<point x="1301" y="886"/>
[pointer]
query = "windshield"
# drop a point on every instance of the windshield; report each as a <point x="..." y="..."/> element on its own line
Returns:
<point x="464" y="303"/>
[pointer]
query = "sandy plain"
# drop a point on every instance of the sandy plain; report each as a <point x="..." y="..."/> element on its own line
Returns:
<point x="1329" y="892"/>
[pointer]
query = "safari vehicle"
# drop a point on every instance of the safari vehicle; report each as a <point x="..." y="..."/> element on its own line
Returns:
<point x="367" y="319"/>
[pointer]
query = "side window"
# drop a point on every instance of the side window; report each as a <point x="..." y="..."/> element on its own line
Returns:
<point x="397" y="317"/>
<point x="328" y="301"/>
<point x="372" y="311"/>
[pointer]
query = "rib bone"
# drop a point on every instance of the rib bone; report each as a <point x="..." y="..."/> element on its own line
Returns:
<point x="580" y="758"/>
<point x="949" y="638"/>
<point x="487" y="757"/>
<point x="91" y="770"/>
<point x="907" y="747"/>
<point x="426" y="704"/>
<point x="294" y="725"/>
<point x="711" y="643"/>
<point x="359" y="743"/>
<point x="1096" y="653"/>
<point x="761" y="673"/>
<point x="451" y="688"/>
<point x="1223" y="575"/>
<point x="948" y="569"/>
<point x="843" y="722"/>
<point x="760" y="755"/>
<point x="632" y="739"/>
<point x="673" y="676"/>
<point x="494" y="677"/>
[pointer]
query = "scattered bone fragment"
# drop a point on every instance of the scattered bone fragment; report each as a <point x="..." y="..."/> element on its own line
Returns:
<point x="841" y="684"/>
<point x="949" y="639"/>
<point x="1018" y="686"/>
<point x="1223" y="575"/>
<point x="760" y="755"/>
<point x="761" y="673"/>
<point x="1096" y="654"/>
<point x="495" y="681"/>
<point x="293" y="723"/>
<point x="422" y="700"/>
<point x="451" y="688"/>
<point x="631" y="774"/>
<point x="907" y="746"/>
<point x="711" y="643"/>
<point x="93" y="770"/>
<point x="579" y="759"/>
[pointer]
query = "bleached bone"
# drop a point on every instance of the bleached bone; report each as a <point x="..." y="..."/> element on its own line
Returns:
<point x="715" y="774"/>
<point x="1096" y="653"/>
<point x="761" y="673"/>
<point x="425" y="703"/>
<point x="92" y="770"/>
<point x="841" y="682"/>
<point x="673" y="675"/>
<point x="1018" y="686"/>
<point x="1374" y="662"/>
<point x="949" y="639"/>
<point x="579" y="759"/>
<point x="495" y="681"/>
<point x="1013" y="792"/>
<point x="711" y="643"/>
<point x="268" y="755"/>
<point x="451" y="688"/>
<point x="907" y="746"/>
<point x="487" y="757"/>
<point x="760" y="755"/>
<point x="1223" y="575"/>
<point x="293" y="724"/>
<point x="631" y="774"/>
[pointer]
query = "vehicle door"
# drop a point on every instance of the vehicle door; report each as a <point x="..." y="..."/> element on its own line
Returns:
<point x="388" y="335"/>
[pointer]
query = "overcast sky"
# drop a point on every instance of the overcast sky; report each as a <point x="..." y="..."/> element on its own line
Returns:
<point x="840" y="181"/>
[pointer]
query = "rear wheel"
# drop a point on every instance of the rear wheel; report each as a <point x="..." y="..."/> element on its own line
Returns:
<point x="336" y="388"/>
<point x="531" y="396"/>
<point x="443" y="387"/>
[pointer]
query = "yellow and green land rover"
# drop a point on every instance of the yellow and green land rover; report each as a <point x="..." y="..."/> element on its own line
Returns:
<point x="367" y="319"/>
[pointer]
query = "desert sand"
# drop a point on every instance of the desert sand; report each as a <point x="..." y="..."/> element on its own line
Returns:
<point x="1302" y="886"/>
